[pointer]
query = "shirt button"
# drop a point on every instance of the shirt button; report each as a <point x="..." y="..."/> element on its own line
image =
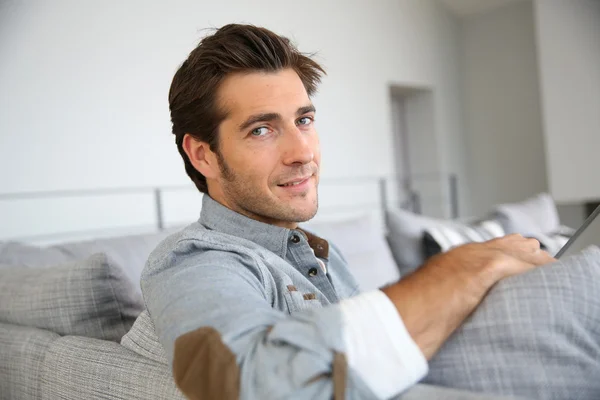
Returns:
<point x="313" y="272"/>
<point x="295" y="239"/>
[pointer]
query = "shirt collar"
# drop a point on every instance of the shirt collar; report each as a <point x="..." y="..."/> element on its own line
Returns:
<point x="217" y="217"/>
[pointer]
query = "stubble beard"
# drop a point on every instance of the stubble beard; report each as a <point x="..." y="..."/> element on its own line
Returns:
<point x="244" y="196"/>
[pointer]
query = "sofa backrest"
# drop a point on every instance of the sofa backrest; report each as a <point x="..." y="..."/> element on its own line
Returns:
<point x="89" y="297"/>
<point x="129" y="252"/>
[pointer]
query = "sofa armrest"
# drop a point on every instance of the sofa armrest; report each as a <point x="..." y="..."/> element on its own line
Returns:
<point x="430" y="392"/>
<point x="22" y="351"/>
<point x="78" y="367"/>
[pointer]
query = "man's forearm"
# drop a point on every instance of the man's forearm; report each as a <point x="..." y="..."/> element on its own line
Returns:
<point x="432" y="305"/>
<point x="436" y="299"/>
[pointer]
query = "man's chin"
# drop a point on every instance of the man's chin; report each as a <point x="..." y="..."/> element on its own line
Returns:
<point x="298" y="208"/>
<point x="303" y="215"/>
<point x="305" y="218"/>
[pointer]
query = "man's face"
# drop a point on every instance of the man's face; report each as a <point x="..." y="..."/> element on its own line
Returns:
<point x="269" y="149"/>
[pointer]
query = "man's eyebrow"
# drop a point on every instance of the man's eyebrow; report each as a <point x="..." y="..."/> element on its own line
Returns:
<point x="266" y="117"/>
<point x="251" y="120"/>
<point x="305" y="110"/>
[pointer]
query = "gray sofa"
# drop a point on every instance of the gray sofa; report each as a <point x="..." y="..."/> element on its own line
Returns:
<point x="63" y="314"/>
<point x="73" y="325"/>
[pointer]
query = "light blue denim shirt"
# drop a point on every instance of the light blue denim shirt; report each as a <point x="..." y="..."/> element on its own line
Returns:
<point x="262" y="291"/>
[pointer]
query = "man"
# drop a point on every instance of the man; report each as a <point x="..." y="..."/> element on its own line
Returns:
<point x="248" y="304"/>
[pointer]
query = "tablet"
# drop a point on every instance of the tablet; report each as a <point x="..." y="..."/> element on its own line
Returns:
<point x="587" y="235"/>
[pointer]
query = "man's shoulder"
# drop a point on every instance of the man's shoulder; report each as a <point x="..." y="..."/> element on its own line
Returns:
<point x="201" y="246"/>
<point x="199" y="238"/>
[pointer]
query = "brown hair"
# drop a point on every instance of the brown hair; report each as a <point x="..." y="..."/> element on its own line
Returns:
<point x="232" y="48"/>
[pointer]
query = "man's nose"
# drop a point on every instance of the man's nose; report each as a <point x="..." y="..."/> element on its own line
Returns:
<point x="297" y="147"/>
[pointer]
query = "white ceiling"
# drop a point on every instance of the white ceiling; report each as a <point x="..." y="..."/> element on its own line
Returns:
<point x="464" y="8"/>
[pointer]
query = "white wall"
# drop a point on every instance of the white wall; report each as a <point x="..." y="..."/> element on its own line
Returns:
<point x="568" y="36"/>
<point x="84" y="84"/>
<point x="501" y="106"/>
<point x="449" y="107"/>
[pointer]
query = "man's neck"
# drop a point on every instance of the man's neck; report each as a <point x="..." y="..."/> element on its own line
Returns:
<point x="260" y="218"/>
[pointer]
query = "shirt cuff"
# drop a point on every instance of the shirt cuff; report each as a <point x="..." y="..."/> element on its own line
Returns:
<point x="378" y="346"/>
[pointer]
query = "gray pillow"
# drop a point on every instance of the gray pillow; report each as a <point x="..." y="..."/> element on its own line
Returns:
<point x="90" y="297"/>
<point x="129" y="252"/>
<point x="405" y="233"/>
<point x="142" y="339"/>
<point x="535" y="335"/>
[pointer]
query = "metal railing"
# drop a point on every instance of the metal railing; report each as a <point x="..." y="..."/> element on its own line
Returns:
<point x="412" y="200"/>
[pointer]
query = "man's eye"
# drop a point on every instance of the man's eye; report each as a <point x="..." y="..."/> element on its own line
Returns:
<point x="305" y="121"/>
<point x="260" y="131"/>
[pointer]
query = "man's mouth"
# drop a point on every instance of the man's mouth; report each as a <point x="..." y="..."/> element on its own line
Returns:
<point x="295" y="182"/>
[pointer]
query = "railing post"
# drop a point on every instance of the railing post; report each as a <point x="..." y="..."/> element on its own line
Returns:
<point x="159" y="212"/>
<point x="415" y="201"/>
<point x="383" y="195"/>
<point x="453" y="182"/>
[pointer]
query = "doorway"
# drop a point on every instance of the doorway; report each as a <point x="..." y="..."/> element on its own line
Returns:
<point x="419" y="184"/>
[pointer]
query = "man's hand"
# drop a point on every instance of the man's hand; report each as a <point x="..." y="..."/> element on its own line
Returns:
<point x="436" y="299"/>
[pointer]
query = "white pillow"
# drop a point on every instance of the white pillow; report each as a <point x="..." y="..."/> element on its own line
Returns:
<point x="535" y="215"/>
<point x="363" y="246"/>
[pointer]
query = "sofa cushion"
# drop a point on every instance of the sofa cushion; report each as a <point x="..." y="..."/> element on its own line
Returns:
<point x="22" y="352"/>
<point x="535" y="335"/>
<point x="364" y="248"/>
<point x="86" y="368"/>
<point x="90" y="297"/>
<point x="142" y="339"/>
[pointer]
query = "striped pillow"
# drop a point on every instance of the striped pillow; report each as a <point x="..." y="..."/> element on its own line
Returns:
<point x="446" y="236"/>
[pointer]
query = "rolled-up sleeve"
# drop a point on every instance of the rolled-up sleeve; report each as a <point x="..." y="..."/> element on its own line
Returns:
<point x="224" y="339"/>
<point x="378" y="346"/>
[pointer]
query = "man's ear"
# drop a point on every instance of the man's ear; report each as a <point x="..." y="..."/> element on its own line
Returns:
<point x="201" y="156"/>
